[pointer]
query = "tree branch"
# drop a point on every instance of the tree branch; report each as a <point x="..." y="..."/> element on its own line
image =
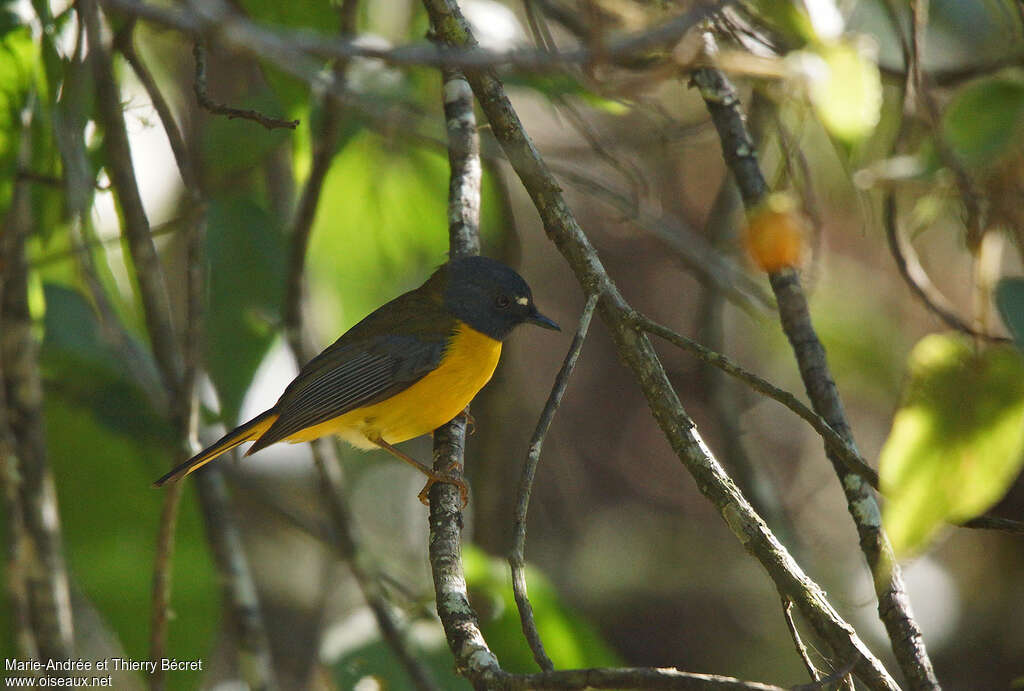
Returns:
<point x="917" y="279"/>
<point x="215" y="20"/>
<point x="638" y="354"/>
<point x="37" y="579"/>
<point x="740" y="155"/>
<point x="517" y="556"/>
<point x="238" y="589"/>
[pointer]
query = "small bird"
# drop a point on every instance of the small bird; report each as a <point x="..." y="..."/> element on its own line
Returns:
<point x="403" y="371"/>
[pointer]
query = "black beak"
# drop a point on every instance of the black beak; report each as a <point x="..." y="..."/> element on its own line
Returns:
<point x="539" y="319"/>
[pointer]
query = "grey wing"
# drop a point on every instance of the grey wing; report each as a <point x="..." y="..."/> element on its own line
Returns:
<point x="343" y="379"/>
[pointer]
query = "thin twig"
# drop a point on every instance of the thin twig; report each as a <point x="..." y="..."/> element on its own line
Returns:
<point x="836" y="443"/>
<point x="801" y="649"/>
<point x="624" y="678"/>
<point x="1006" y="525"/>
<point x="917" y="278"/>
<point x="740" y="155"/>
<point x="637" y="353"/>
<point x="215" y="19"/>
<point x="218" y="108"/>
<point x="517" y="556"/>
<point x="151" y="280"/>
<point x="848" y="454"/>
<point x="720" y="230"/>
<point x="186" y="408"/>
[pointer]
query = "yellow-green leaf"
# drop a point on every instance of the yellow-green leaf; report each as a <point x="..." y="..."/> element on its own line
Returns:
<point x="983" y="122"/>
<point x="957" y="441"/>
<point x="848" y="94"/>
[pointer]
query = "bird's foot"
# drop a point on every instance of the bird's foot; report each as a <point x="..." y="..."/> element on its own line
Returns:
<point x="449" y="476"/>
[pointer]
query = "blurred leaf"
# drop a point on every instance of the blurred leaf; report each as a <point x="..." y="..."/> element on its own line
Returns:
<point x="957" y="441"/>
<point x="233" y="148"/>
<point x="382" y="224"/>
<point x="18" y="77"/>
<point x="246" y="258"/>
<point x="109" y="517"/>
<point x="88" y="370"/>
<point x="569" y="640"/>
<point x="848" y="93"/>
<point x="9" y="19"/>
<point x="376" y="660"/>
<point x="1010" y="301"/>
<point x="983" y="121"/>
<point x="787" y="21"/>
<point x="322" y="16"/>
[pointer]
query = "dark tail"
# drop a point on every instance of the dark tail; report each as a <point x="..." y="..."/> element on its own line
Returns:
<point x="250" y="430"/>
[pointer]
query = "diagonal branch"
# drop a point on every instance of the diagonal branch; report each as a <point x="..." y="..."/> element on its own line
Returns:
<point x="893" y="604"/>
<point x="636" y="351"/>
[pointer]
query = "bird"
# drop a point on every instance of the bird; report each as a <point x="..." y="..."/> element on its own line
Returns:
<point x="407" y="368"/>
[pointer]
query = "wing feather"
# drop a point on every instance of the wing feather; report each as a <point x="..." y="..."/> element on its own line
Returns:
<point x="367" y="364"/>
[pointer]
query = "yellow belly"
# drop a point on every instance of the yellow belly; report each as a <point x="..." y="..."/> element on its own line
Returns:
<point x="467" y="365"/>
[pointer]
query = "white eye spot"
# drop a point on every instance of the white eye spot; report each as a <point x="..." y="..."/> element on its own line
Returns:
<point x="522" y="301"/>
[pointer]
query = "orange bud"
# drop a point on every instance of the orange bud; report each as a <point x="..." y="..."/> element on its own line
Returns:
<point x="775" y="234"/>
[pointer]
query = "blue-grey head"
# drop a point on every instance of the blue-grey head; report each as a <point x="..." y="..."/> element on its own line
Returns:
<point x="490" y="297"/>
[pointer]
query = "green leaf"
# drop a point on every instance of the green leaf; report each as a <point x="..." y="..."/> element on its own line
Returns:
<point x="957" y="441"/>
<point x="381" y="223"/>
<point x="109" y="516"/>
<point x="18" y="77"/>
<point x="848" y="94"/>
<point x="568" y="639"/>
<point x="246" y="255"/>
<point x="1010" y="301"/>
<point x="96" y="371"/>
<point x="983" y="121"/>
<point x="786" y="20"/>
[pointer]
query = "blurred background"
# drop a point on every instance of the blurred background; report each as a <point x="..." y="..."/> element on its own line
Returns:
<point x="629" y="564"/>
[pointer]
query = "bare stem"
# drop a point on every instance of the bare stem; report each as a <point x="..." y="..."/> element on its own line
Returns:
<point x="37" y="578"/>
<point x="218" y="108"/>
<point x="839" y="445"/>
<point x="801" y="649"/>
<point x="517" y="555"/>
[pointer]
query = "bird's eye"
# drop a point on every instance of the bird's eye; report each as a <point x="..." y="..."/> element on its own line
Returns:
<point x="503" y="301"/>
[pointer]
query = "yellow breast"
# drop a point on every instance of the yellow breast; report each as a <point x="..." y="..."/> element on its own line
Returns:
<point x="467" y="364"/>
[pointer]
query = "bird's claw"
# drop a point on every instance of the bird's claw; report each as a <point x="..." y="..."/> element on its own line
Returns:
<point x="450" y="477"/>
